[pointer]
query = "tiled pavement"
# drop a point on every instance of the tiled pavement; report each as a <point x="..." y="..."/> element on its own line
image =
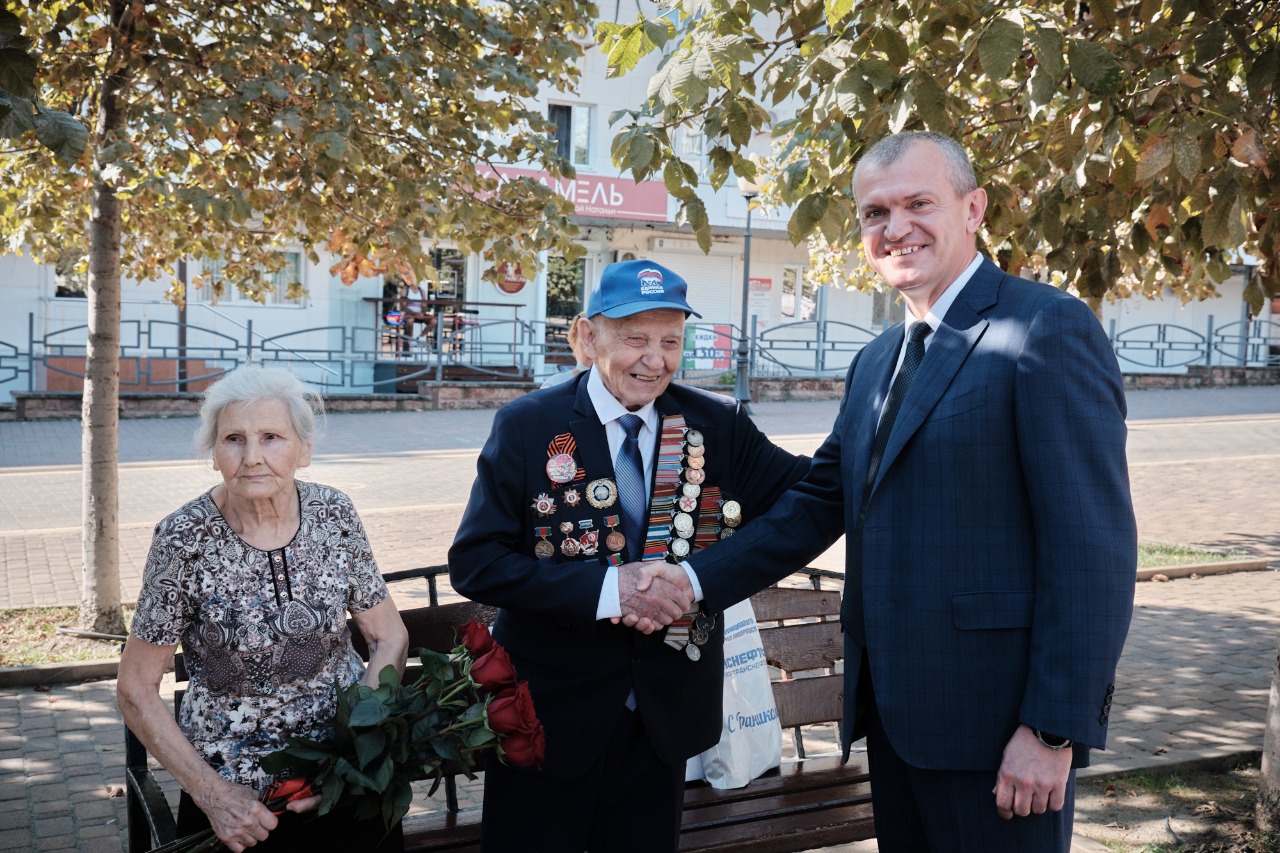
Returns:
<point x="1194" y="680"/>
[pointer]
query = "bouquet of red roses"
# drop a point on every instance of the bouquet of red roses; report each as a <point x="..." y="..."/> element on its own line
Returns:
<point x="463" y="705"/>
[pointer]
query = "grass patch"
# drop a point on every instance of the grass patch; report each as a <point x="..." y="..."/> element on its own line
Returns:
<point x="29" y="636"/>
<point x="1153" y="555"/>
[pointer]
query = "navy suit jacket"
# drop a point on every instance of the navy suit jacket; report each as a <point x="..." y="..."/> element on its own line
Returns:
<point x="580" y="670"/>
<point x="999" y="545"/>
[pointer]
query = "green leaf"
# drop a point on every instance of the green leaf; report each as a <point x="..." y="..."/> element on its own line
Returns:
<point x="640" y="156"/>
<point x="331" y="793"/>
<point x="351" y="773"/>
<point x="17" y="116"/>
<point x="368" y="712"/>
<point x="389" y="677"/>
<point x="1094" y="66"/>
<point x="1157" y="154"/>
<point x="397" y="805"/>
<point x="369" y="745"/>
<point x="435" y="665"/>
<point x="382" y="774"/>
<point x="17" y="73"/>
<point x="10" y="25"/>
<point x="890" y="41"/>
<point x="623" y="46"/>
<point x="1048" y="47"/>
<point x="1000" y="46"/>
<point x="1263" y="72"/>
<point x="806" y="216"/>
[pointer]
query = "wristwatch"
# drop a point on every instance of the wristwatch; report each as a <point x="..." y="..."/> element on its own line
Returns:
<point x="1051" y="741"/>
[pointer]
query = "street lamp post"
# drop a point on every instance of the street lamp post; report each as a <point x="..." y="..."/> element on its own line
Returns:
<point x="742" y="382"/>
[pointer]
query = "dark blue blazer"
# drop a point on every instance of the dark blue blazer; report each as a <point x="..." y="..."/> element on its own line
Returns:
<point x="581" y="670"/>
<point x="999" y="547"/>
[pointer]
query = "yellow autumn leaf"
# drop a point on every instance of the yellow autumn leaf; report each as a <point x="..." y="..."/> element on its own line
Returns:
<point x="336" y="241"/>
<point x="350" y="273"/>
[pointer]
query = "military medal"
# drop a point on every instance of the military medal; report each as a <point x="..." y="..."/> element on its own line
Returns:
<point x="571" y="497"/>
<point x="680" y="548"/>
<point x="561" y="468"/>
<point x="727" y="532"/>
<point x="570" y="547"/>
<point x="696" y="462"/>
<point x="544" y="505"/>
<point x="732" y="512"/>
<point x="590" y="543"/>
<point x="695" y="451"/>
<point x="687" y="504"/>
<point x="695" y="476"/>
<point x="683" y="523"/>
<point x="566" y="527"/>
<point x="693" y="438"/>
<point x="703" y="622"/>
<point x="691" y="490"/>
<point x="602" y="494"/>
<point x="699" y="637"/>
<point x="614" y="541"/>
<point x="693" y="652"/>
<point x="543" y="549"/>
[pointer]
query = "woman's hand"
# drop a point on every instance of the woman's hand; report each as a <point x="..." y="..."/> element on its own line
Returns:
<point x="235" y="814"/>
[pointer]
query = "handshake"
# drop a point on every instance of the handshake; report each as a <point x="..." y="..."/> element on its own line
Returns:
<point x="653" y="595"/>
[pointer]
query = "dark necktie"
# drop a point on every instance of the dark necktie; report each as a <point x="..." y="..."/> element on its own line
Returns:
<point x="851" y="610"/>
<point x="628" y="469"/>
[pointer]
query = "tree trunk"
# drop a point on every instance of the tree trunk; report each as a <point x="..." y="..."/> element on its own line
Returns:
<point x="1269" y="785"/>
<point x="100" y="412"/>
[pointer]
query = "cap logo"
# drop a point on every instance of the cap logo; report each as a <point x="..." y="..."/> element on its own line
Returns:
<point x="650" y="282"/>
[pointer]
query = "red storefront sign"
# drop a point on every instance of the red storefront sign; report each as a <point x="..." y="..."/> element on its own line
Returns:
<point x="601" y="197"/>
<point x="513" y="280"/>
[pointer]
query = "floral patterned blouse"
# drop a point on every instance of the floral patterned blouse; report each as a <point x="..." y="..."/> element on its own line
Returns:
<point x="264" y="633"/>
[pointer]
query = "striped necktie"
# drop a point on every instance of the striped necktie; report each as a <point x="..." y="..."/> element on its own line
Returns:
<point x="633" y="493"/>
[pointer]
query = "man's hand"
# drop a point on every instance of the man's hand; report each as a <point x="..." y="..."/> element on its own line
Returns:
<point x="653" y="595"/>
<point x="1032" y="777"/>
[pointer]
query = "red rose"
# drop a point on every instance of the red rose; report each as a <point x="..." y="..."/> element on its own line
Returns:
<point x="493" y="670"/>
<point x="524" y="750"/>
<point x="512" y="711"/>
<point x="476" y="637"/>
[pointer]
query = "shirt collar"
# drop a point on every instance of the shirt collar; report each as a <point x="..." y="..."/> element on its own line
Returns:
<point x="947" y="299"/>
<point x="607" y="407"/>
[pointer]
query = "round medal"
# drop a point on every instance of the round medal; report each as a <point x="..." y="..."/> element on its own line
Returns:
<point x="703" y="622"/>
<point x="683" y="523"/>
<point x="727" y="532"/>
<point x="731" y="509"/>
<point x="695" y="476"/>
<point x="544" y="505"/>
<point x="570" y="547"/>
<point x="687" y="504"/>
<point x="696" y="462"/>
<point x="693" y="652"/>
<point x="691" y="490"/>
<point x="615" y="541"/>
<point x="602" y="494"/>
<point x="680" y="548"/>
<point x="561" y="468"/>
<point x="695" y="452"/>
<point x="693" y="438"/>
<point x="544" y="550"/>
<point x="732" y="522"/>
<point x="699" y="638"/>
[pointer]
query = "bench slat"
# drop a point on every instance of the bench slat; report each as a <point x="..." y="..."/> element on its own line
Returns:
<point x="788" y="834"/>
<point x="795" y="648"/>
<point x="805" y="701"/>
<point x="808" y="774"/>
<point x="432" y="627"/>
<point x="774" y="603"/>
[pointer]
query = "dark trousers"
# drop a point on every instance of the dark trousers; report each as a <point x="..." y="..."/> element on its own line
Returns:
<point x="951" y="811"/>
<point x="628" y="802"/>
<point x="338" y="830"/>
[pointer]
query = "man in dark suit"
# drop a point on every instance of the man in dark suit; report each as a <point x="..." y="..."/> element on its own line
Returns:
<point x="618" y="465"/>
<point x="977" y="465"/>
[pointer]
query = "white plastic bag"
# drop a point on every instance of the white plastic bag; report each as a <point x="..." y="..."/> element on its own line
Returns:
<point x="751" y="740"/>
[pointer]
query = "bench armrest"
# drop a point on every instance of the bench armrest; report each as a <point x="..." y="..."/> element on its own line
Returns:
<point x="151" y="822"/>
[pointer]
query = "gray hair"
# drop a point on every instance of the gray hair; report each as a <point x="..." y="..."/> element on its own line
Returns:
<point x="888" y="150"/>
<point x="251" y="383"/>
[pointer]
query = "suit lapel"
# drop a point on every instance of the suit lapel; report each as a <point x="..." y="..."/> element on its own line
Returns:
<point x="866" y="394"/>
<point x="588" y="432"/>
<point x="959" y="333"/>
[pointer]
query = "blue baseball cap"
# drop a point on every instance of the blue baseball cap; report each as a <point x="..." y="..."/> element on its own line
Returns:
<point x="629" y="287"/>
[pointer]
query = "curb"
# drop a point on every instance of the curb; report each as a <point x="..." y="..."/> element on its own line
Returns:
<point x="58" y="673"/>
<point x="1186" y="570"/>
<point x="1211" y="758"/>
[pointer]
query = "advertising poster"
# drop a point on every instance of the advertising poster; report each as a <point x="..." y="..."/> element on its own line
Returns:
<point x="708" y="347"/>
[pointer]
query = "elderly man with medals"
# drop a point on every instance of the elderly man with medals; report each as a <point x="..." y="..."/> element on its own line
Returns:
<point x="574" y="482"/>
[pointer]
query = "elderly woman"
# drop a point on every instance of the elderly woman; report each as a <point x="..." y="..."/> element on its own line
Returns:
<point x="255" y="578"/>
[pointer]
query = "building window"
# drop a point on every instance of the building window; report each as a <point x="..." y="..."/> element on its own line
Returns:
<point x="799" y="296"/>
<point x="887" y="308"/>
<point x="566" y="287"/>
<point x="691" y="147"/>
<point x="284" y="286"/>
<point x="572" y="132"/>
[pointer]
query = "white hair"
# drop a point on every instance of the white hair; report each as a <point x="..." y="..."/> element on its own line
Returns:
<point x="251" y="383"/>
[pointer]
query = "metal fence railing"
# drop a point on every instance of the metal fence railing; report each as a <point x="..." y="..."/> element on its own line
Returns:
<point x="163" y="355"/>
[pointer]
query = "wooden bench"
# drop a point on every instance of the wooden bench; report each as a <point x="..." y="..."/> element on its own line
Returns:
<point x="806" y="803"/>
